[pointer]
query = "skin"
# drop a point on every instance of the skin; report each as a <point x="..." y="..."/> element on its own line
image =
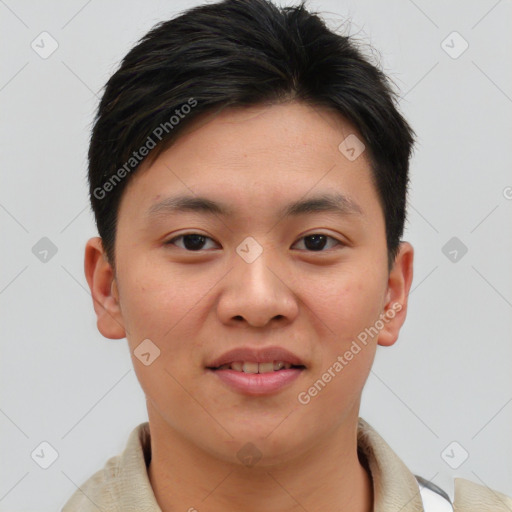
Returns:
<point x="196" y="305"/>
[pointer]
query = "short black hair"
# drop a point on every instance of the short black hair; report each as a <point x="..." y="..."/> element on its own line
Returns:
<point x="241" y="53"/>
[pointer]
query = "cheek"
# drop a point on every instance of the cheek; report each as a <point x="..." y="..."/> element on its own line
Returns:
<point x="353" y="308"/>
<point x="168" y="309"/>
<point x="160" y="308"/>
<point x="350" y="304"/>
<point x="157" y="302"/>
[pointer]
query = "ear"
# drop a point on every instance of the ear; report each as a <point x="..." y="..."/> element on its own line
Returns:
<point x="399" y="284"/>
<point x="101" y="280"/>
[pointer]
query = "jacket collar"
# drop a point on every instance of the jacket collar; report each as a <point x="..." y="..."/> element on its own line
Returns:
<point x="395" y="487"/>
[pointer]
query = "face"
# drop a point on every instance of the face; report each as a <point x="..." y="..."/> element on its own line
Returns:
<point x="198" y="283"/>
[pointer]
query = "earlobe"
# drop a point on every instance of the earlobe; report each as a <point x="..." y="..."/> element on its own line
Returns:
<point x="399" y="284"/>
<point x="104" y="291"/>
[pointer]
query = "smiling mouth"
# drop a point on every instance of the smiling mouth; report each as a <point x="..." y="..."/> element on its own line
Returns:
<point x="253" y="367"/>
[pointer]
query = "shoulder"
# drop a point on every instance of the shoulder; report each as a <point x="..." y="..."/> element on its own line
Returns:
<point x="95" y="491"/>
<point x="122" y="482"/>
<point x="473" y="497"/>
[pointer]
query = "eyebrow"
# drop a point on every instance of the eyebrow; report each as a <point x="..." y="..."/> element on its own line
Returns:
<point x="336" y="203"/>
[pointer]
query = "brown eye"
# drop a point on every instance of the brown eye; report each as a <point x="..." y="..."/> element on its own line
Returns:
<point x="318" y="241"/>
<point x="191" y="241"/>
<point x="195" y="242"/>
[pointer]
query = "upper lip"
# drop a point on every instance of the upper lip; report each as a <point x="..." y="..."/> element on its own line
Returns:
<point x="256" y="355"/>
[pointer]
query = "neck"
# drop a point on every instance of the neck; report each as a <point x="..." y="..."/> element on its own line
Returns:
<point x="328" y="477"/>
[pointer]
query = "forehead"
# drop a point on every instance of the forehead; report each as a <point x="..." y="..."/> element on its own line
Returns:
<point x="263" y="156"/>
<point x="268" y="127"/>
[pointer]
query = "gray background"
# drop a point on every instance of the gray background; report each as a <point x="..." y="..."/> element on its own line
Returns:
<point x="446" y="379"/>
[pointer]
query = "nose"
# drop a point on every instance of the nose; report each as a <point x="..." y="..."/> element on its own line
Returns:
<point x="259" y="293"/>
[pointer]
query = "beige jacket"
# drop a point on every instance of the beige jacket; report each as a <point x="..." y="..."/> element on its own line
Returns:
<point x="123" y="484"/>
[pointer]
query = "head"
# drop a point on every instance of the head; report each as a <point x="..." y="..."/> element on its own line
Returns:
<point x="256" y="109"/>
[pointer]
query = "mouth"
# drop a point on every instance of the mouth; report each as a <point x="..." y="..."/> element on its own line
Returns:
<point x="256" y="370"/>
<point x="256" y="378"/>
<point x="254" y="367"/>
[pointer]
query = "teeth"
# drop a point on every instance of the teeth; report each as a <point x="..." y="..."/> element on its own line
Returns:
<point x="250" y="367"/>
<point x="238" y="366"/>
<point x="266" y="367"/>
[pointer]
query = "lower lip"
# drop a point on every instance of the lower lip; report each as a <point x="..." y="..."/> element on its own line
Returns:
<point x="258" y="383"/>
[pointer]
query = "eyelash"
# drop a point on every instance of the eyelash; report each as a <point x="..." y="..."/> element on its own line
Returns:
<point x="172" y="240"/>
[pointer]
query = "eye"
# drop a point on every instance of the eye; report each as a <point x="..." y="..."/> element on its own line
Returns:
<point x="317" y="241"/>
<point x="195" y="241"/>
<point x="192" y="241"/>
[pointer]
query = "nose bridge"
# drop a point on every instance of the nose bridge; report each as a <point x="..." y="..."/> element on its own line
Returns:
<point x="259" y="267"/>
<point x="257" y="291"/>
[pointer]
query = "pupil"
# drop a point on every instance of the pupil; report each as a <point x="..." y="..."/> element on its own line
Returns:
<point x="318" y="242"/>
<point x="197" y="241"/>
